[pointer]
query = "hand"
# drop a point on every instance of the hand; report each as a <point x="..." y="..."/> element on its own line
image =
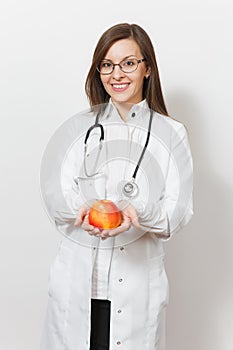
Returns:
<point x="82" y="220"/>
<point x="82" y="212"/>
<point x="129" y="217"/>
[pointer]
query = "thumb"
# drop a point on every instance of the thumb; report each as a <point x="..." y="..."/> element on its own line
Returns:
<point x="82" y="212"/>
<point x="135" y="221"/>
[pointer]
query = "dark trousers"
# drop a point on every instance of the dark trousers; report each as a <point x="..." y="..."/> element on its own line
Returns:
<point x="100" y="324"/>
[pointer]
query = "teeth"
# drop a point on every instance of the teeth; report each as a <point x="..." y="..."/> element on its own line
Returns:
<point x="119" y="86"/>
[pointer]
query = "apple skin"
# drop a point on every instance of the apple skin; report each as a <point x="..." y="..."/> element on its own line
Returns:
<point x="104" y="214"/>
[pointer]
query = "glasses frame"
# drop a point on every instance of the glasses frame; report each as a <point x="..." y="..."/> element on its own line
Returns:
<point x="119" y="64"/>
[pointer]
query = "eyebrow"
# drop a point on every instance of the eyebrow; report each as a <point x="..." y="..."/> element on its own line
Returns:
<point x="125" y="58"/>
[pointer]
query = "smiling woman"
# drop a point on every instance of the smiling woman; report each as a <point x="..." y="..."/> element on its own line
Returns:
<point x="124" y="81"/>
<point x="128" y="43"/>
<point x="108" y="286"/>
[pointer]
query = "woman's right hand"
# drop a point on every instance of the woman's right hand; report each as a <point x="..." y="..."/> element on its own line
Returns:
<point x="82" y="220"/>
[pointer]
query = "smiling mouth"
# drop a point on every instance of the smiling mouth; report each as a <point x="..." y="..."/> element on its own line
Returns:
<point x="120" y="87"/>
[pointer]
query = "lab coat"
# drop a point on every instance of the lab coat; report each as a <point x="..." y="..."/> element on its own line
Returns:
<point x="137" y="280"/>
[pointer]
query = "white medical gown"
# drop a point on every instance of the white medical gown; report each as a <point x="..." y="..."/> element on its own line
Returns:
<point x="128" y="269"/>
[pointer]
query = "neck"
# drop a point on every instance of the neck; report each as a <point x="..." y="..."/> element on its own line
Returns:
<point x="123" y="109"/>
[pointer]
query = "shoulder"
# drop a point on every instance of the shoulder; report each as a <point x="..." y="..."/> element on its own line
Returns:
<point x="169" y="121"/>
<point x="169" y="124"/>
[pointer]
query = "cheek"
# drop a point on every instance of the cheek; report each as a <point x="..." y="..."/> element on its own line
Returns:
<point x="139" y="79"/>
<point x="104" y="79"/>
<point x="105" y="83"/>
<point x="139" y="83"/>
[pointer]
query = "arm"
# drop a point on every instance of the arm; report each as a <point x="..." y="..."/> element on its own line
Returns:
<point x="168" y="215"/>
<point x="162" y="217"/>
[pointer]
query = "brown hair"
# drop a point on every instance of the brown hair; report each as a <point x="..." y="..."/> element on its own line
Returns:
<point x="152" y="90"/>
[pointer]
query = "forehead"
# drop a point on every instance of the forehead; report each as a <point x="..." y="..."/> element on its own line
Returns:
<point x="123" y="48"/>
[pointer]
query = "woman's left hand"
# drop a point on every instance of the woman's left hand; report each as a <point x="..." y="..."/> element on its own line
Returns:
<point x="129" y="217"/>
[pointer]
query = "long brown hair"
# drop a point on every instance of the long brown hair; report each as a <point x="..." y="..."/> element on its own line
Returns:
<point x="152" y="90"/>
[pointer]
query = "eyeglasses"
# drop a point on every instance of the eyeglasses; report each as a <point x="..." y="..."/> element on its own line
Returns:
<point x="128" y="65"/>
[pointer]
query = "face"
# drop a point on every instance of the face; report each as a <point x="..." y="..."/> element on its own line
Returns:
<point x="125" y="87"/>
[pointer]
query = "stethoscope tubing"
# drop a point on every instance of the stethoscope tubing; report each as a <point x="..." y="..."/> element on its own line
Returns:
<point x="130" y="184"/>
<point x="96" y="125"/>
<point x="145" y="146"/>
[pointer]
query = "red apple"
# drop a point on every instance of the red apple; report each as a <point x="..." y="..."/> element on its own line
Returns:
<point x="104" y="214"/>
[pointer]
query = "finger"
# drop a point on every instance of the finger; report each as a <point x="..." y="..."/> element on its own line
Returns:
<point x="135" y="222"/>
<point x="86" y="225"/>
<point x="82" y="212"/>
<point x="120" y="229"/>
<point x="125" y="226"/>
<point x="104" y="234"/>
<point x="103" y="238"/>
<point x="78" y="221"/>
<point x="94" y="232"/>
<point x="79" y="218"/>
<point x="132" y="215"/>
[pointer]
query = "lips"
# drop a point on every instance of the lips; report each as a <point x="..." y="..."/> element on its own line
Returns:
<point x="120" y="87"/>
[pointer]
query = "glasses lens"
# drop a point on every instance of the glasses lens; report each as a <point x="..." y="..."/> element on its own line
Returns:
<point x="129" y="65"/>
<point x="105" y="67"/>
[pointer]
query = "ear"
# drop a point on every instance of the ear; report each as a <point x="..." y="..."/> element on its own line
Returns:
<point x="148" y="71"/>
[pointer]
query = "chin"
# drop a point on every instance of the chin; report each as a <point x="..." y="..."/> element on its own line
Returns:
<point x="121" y="99"/>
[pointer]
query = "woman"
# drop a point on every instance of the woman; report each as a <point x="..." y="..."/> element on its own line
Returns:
<point x="108" y="288"/>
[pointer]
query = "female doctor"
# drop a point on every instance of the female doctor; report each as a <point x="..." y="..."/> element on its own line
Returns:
<point x="108" y="289"/>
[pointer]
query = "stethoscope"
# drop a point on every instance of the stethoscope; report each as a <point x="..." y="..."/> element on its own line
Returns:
<point x="128" y="188"/>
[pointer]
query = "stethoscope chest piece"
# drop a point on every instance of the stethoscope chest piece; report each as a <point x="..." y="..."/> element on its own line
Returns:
<point x="128" y="188"/>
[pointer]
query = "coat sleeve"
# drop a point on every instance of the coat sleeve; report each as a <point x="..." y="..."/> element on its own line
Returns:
<point x="175" y="207"/>
<point x="74" y="200"/>
<point x="77" y="188"/>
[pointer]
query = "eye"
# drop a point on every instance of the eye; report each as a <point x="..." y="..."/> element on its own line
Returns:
<point x="105" y="64"/>
<point x="129" y="63"/>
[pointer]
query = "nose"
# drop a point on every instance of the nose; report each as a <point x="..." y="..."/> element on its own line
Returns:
<point x="117" y="72"/>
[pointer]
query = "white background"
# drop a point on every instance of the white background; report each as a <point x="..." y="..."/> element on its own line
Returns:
<point x="46" y="49"/>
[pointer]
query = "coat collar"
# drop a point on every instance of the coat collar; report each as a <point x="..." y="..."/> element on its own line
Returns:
<point x="135" y="114"/>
